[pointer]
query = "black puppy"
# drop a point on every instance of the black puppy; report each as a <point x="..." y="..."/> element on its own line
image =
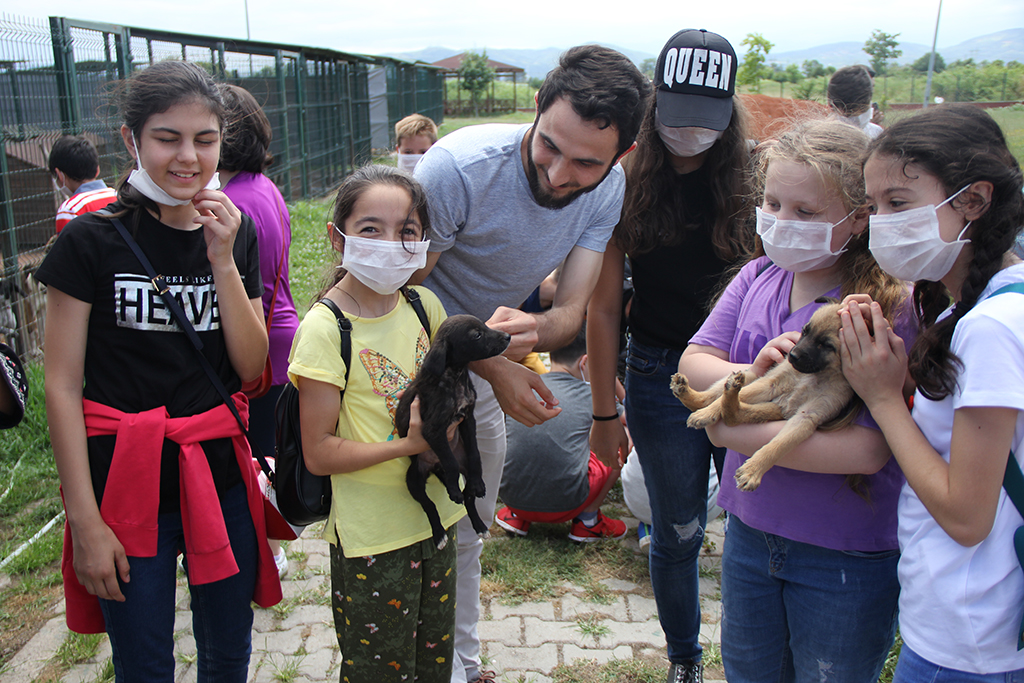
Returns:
<point x="447" y="396"/>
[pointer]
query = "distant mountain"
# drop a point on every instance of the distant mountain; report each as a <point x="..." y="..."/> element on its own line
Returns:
<point x="1006" y="45"/>
<point x="537" y="63"/>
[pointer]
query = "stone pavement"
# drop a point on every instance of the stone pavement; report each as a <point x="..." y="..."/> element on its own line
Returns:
<point x="295" y="641"/>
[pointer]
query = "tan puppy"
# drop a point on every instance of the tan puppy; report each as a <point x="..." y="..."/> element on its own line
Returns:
<point x="807" y="389"/>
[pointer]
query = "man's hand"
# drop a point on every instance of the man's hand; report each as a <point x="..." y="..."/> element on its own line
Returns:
<point x="522" y="327"/>
<point x="517" y="389"/>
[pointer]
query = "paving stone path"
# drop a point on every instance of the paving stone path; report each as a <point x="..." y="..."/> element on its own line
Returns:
<point x="295" y="640"/>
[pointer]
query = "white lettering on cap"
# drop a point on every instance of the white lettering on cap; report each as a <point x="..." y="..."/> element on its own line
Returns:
<point x="698" y="73"/>
<point x="684" y="64"/>
<point x="723" y="81"/>
<point x="670" y="66"/>
<point x="714" y="68"/>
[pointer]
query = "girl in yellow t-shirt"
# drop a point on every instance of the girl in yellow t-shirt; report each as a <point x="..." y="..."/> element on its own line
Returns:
<point x="393" y="590"/>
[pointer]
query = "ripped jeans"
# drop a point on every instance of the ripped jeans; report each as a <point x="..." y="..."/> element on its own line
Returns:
<point x="675" y="461"/>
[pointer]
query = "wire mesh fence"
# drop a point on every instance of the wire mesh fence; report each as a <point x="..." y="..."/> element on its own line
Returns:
<point x="58" y="75"/>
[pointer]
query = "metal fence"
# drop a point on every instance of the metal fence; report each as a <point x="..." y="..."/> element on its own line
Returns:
<point x="57" y="76"/>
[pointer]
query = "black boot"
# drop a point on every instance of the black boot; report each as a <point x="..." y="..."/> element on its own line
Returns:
<point x="686" y="672"/>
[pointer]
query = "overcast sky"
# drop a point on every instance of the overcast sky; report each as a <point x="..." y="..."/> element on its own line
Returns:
<point x="389" y="26"/>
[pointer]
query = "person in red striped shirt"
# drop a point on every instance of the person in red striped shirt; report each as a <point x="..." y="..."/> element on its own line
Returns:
<point x="75" y="167"/>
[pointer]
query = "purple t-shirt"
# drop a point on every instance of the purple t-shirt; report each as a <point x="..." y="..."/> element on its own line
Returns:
<point x="256" y="196"/>
<point x="820" y="509"/>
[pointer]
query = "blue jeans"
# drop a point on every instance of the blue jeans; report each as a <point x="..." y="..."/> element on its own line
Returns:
<point x="799" y="612"/>
<point x="913" y="668"/>
<point x="141" y="628"/>
<point x="675" y="460"/>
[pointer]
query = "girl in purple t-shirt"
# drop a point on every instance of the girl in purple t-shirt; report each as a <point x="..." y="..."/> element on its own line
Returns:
<point x="809" y="562"/>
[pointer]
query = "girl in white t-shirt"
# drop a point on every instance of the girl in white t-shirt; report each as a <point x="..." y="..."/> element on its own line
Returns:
<point x="948" y="203"/>
<point x="393" y="589"/>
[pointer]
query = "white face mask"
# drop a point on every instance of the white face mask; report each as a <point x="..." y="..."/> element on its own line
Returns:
<point x="407" y="162"/>
<point x="798" y="246"/>
<point x="908" y="246"/>
<point x="860" y="120"/>
<point x="63" y="189"/>
<point x="140" y="180"/>
<point x="686" y="142"/>
<point x="382" y="265"/>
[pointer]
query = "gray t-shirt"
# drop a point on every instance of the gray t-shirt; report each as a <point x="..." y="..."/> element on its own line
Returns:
<point x="546" y="466"/>
<point x="499" y="243"/>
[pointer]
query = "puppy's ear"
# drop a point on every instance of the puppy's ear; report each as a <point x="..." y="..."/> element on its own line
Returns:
<point x="826" y="300"/>
<point x="437" y="357"/>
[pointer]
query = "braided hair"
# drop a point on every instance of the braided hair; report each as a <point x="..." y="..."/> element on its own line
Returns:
<point x="958" y="144"/>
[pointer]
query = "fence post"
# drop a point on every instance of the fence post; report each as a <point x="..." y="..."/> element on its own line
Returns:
<point x="282" y="95"/>
<point x="123" y="50"/>
<point x="64" y="73"/>
<point x="7" y="215"/>
<point x="300" y="95"/>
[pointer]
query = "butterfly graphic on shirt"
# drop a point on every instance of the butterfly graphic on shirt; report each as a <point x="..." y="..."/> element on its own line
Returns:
<point x="387" y="379"/>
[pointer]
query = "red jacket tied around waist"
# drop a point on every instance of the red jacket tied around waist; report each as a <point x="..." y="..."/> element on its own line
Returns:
<point x="131" y="499"/>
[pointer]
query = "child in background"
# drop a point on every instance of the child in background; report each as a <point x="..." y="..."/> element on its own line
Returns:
<point x="75" y="166"/>
<point x="244" y="155"/>
<point x="949" y="205"/>
<point x="149" y="417"/>
<point x="809" y="560"/>
<point x="393" y="590"/>
<point x="414" y="135"/>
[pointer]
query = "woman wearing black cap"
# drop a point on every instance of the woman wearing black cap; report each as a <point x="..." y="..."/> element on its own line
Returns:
<point x="684" y="222"/>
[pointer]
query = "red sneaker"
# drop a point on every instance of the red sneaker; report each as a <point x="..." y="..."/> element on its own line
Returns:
<point x="507" y="520"/>
<point x="606" y="527"/>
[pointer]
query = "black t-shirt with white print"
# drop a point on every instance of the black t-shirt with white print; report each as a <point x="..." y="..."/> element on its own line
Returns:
<point x="136" y="357"/>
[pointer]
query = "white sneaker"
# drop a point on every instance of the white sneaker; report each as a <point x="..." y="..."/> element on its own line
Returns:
<point x="282" y="564"/>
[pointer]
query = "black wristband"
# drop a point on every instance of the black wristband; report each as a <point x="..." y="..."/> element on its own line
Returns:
<point x="605" y="418"/>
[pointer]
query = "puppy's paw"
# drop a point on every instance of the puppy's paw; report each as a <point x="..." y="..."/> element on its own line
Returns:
<point x="735" y="381"/>
<point x="705" y="417"/>
<point x="475" y="488"/>
<point x="484" y="535"/>
<point x="679" y="385"/>
<point x="748" y="478"/>
<point x="443" y="542"/>
<point x="456" y="496"/>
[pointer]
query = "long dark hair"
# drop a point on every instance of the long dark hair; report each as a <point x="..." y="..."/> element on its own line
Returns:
<point x="653" y="213"/>
<point x="154" y="90"/>
<point x="353" y="187"/>
<point x="958" y="144"/>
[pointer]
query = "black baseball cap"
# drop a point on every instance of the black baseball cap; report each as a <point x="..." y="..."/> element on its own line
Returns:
<point x="695" y="80"/>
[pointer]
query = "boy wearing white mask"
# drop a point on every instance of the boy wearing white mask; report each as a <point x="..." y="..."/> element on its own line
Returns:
<point x="414" y="135"/>
<point x="75" y="167"/>
<point x="809" y="561"/>
<point x="849" y="94"/>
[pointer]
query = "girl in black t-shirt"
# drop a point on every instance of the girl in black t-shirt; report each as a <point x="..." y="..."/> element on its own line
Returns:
<point x="148" y="417"/>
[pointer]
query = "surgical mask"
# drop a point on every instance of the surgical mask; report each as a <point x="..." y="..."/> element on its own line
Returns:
<point x="382" y="265"/>
<point x="798" y="246"/>
<point x="687" y="141"/>
<point x="140" y="180"/>
<point x="860" y="120"/>
<point x="63" y="189"/>
<point x="407" y="162"/>
<point x="908" y="246"/>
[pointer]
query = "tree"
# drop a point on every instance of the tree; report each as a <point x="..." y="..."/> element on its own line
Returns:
<point x="793" y="72"/>
<point x="647" y="67"/>
<point x="812" y="68"/>
<point x="753" y="69"/>
<point x="921" y="64"/>
<point x="475" y="75"/>
<point x="882" y="48"/>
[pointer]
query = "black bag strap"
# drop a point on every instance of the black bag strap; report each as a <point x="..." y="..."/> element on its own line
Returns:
<point x="1013" y="481"/>
<point x="160" y="285"/>
<point x="345" y="327"/>
<point x="413" y="297"/>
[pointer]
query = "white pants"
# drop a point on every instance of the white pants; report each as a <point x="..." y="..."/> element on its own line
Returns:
<point x="490" y="434"/>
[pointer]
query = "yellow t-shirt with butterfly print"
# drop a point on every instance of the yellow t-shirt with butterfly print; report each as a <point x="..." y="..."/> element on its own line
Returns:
<point x="372" y="511"/>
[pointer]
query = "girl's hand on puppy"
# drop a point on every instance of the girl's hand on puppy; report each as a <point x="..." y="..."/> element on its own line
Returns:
<point x="414" y="438"/>
<point x="220" y="219"/>
<point x="774" y="352"/>
<point x="875" y="365"/>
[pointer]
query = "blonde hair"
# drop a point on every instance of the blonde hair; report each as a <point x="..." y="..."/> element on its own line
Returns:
<point x="836" y="152"/>
<point x="413" y="125"/>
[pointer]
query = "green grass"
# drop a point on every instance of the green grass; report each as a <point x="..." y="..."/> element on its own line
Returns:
<point x="78" y="648"/>
<point x="638" y="670"/>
